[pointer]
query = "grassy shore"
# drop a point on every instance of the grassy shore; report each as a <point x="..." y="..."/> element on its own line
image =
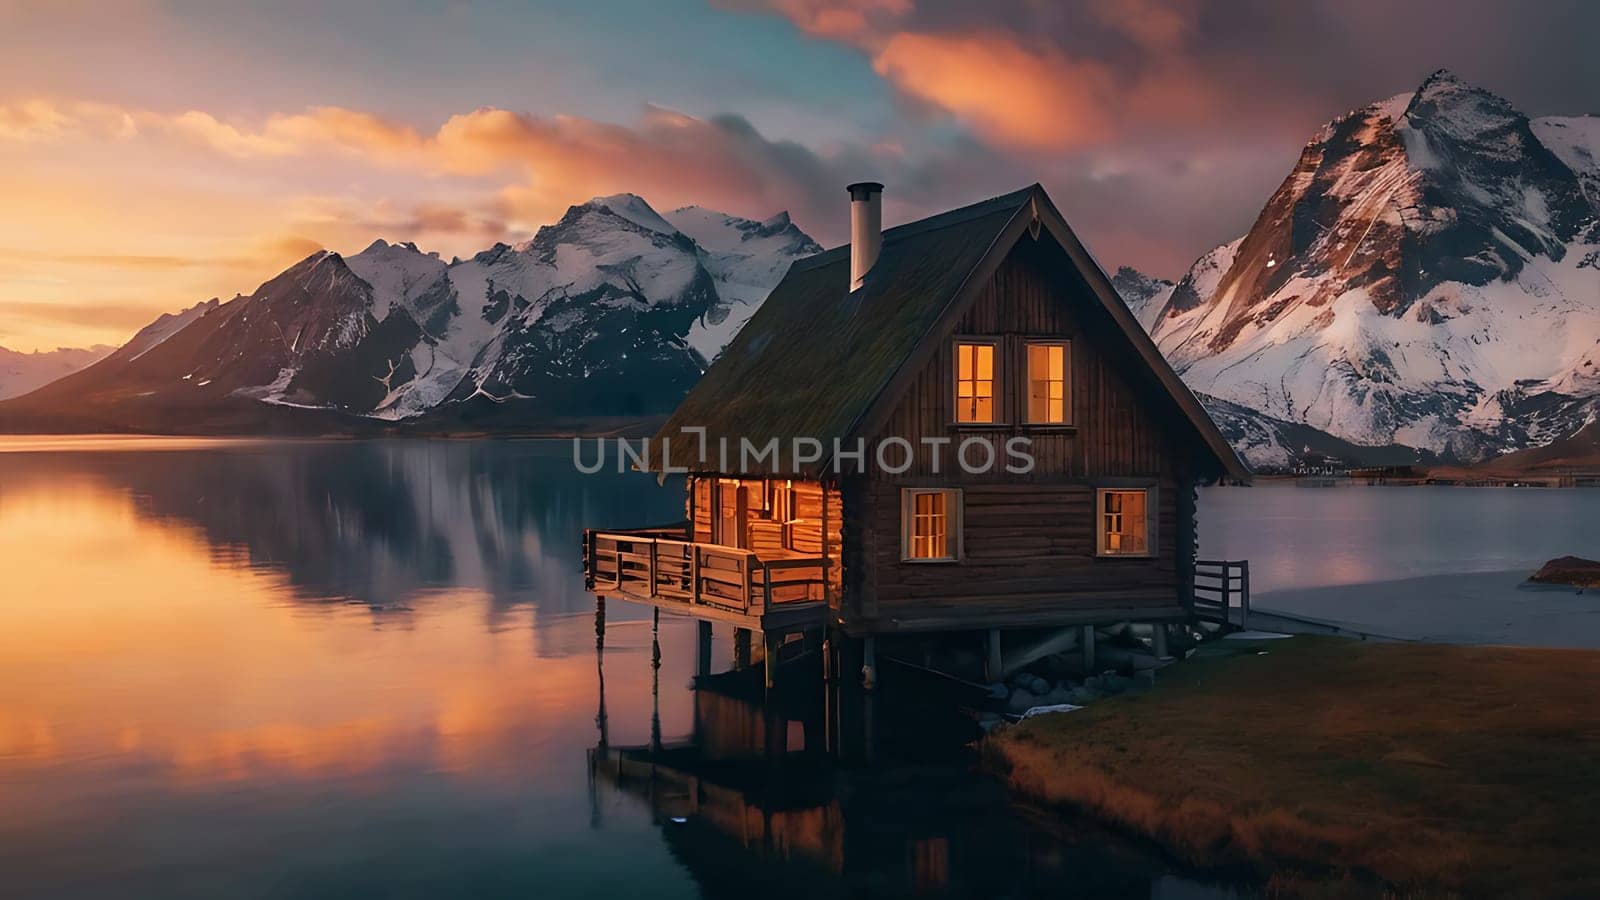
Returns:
<point x="1432" y="769"/>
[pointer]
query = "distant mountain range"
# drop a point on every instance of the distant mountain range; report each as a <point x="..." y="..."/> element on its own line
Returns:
<point x="1427" y="276"/>
<point x="1424" y="286"/>
<point x="23" y="372"/>
<point x="612" y="312"/>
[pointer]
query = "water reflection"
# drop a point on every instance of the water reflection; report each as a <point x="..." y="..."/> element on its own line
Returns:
<point x="767" y="794"/>
<point x="369" y="668"/>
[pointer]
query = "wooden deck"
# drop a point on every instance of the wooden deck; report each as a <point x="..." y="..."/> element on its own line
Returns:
<point x="774" y="592"/>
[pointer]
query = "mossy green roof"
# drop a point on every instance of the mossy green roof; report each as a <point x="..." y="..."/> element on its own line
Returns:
<point x="816" y="355"/>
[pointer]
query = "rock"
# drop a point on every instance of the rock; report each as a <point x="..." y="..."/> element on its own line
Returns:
<point x="998" y="691"/>
<point x="1082" y="696"/>
<point x="1118" y="684"/>
<point x="1056" y="696"/>
<point x="1021" y="701"/>
<point x="1574" y="571"/>
<point x="1039" y="686"/>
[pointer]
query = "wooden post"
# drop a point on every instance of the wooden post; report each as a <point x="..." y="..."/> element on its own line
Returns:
<point x="588" y="558"/>
<point x="1088" y="649"/>
<point x="869" y="662"/>
<point x="1244" y="599"/>
<point x="741" y="648"/>
<point x="771" y="642"/>
<point x="652" y="570"/>
<point x="1158" y="639"/>
<point x="702" y="646"/>
<point x="827" y="579"/>
<point x="600" y="719"/>
<point x="993" y="669"/>
<point x="694" y="574"/>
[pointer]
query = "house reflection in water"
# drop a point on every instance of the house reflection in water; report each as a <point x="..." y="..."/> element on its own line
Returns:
<point x="772" y="796"/>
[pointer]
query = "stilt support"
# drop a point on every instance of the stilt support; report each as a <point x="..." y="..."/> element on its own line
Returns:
<point x="1088" y="649"/>
<point x="702" y="647"/>
<point x="869" y="662"/>
<point x="1158" y="640"/>
<point x="770" y="643"/>
<point x="741" y="648"/>
<point x="993" y="669"/>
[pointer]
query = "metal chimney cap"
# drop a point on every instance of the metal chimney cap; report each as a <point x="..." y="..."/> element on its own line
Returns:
<point x="863" y="190"/>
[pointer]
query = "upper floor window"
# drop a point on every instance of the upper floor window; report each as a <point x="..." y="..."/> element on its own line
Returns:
<point x="975" y="377"/>
<point x="1126" y="517"/>
<point x="930" y="524"/>
<point x="1047" y="383"/>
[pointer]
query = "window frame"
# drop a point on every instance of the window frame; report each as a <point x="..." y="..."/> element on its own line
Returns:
<point x="1066" y="382"/>
<point x="1152" y="518"/>
<point x="997" y="383"/>
<point x="954" y="543"/>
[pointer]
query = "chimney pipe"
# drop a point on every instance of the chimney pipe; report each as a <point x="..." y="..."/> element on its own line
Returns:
<point x="866" y="229"/>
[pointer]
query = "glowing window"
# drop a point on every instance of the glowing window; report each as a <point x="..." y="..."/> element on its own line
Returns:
<point x="1124" y="527"/>
<point x="1047" y="383"/>
<point x="974" y="382"/>
<point x="932" y="526"/>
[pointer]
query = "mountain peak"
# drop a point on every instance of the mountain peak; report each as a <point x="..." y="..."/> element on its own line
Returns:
<point x="1445" y="98"/>
<point x="633" y="208"/>
<point x="1442" y="79"/>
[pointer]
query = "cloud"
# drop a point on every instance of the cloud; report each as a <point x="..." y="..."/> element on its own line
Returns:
<point x="100" y="316"/>
<point x="1034" y="99"/>
<point x="322" y="127"/>
<point x="40" y="119"/>
<point x="120" y="260"/>
<point x="838" y="19"/>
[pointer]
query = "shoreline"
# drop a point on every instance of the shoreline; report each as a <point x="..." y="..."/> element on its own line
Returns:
<point x="1396" y="766"/>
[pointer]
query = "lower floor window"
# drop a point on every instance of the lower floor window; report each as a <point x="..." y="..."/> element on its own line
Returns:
<point x="931" y="524"/>
<point x="1124" y="522"/>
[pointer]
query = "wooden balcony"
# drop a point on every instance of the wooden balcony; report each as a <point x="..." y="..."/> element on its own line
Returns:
<point x="775" y="592"/>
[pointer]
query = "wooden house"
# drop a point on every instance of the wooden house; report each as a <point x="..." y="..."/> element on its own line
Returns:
<point x="881" y="371"/>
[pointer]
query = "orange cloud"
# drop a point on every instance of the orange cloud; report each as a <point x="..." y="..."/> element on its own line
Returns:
<point x="1157" y="25"/>
<point x="840" y="19"/>
<point x="1009" y="73"/>
<point x="321" y="127"/>
<point x="43" y="120"/>
<point x="1036" y="99"/>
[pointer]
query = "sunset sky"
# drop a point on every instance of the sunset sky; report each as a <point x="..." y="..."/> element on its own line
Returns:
<point x="156" y="154"/>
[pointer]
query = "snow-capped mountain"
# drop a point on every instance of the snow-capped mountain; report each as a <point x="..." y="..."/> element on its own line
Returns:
<point x="22" y="372"/>
<point x="1427" y="275"/>
<point x="614" y="310"/>
<point x="1146" y="296"/>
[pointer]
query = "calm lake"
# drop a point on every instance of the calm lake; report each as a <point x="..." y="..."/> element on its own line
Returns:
<point x="269" y="668"/>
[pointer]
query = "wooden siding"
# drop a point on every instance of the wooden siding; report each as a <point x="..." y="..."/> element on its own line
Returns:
<point x="802" y="535"/>
<point x="1029" y="539"/>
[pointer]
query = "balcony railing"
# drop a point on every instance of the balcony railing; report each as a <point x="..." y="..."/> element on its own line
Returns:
<point x="661" y="565"/>
<point x="1222" y="591"/>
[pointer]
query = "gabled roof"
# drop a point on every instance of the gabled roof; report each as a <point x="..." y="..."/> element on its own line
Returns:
<point x="820" y="361"/>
